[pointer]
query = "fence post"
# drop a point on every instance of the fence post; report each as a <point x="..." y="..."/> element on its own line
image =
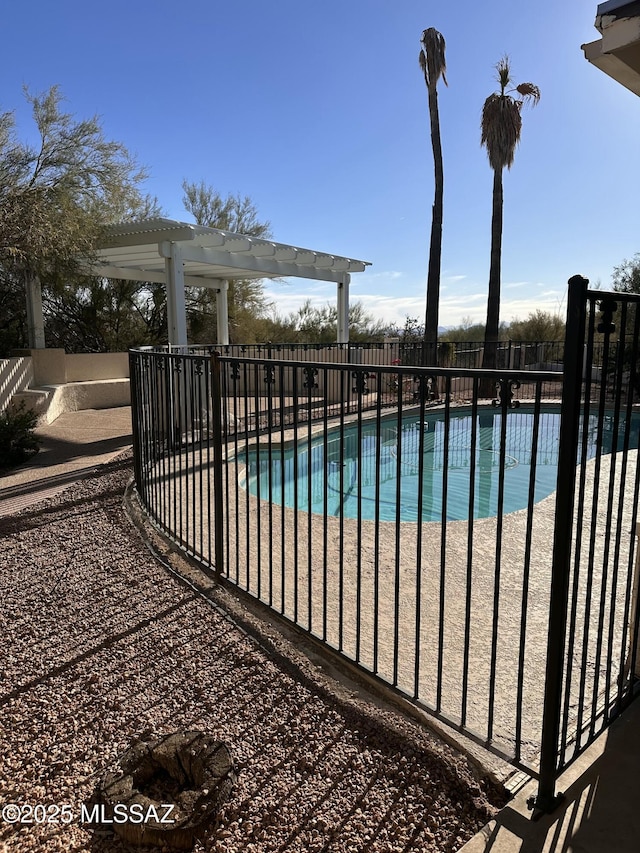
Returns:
<point x="546" y="799"/>
<point x="136" y="414"/>
<point x="632" y="670"/>
<point x="218" y="502"/>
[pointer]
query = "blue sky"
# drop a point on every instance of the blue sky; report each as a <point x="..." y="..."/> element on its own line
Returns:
<point x="318" y="112"/>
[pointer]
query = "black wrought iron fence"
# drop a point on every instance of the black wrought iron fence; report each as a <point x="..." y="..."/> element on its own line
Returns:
<point x="402" y="516"/>
<point x="373" y="507"/>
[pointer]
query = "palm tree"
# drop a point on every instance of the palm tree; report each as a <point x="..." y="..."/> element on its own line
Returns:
<point x="501" y="126"/>
<point x="432" y="62"/>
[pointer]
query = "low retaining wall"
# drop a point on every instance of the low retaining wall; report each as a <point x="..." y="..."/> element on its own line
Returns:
<point x="51" y="401"/>
<point x="51" y="382"/>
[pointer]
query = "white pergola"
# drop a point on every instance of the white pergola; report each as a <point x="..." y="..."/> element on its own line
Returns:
<point x="179" y="254"/>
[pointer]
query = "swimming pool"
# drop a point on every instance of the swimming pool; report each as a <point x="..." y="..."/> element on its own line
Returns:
<point x="399" y="471"/>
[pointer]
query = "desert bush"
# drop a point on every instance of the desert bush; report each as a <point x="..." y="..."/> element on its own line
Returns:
<point x="18" y="441"/>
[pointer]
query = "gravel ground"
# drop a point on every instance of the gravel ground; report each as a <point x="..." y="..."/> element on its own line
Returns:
<point x="104" y="645"/>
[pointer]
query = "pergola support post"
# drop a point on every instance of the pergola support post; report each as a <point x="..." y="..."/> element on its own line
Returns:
<point x="222" y="312"/>
<point x="35" y="320"/>
<point x="343" y="309"/>
<point x="176" y="308"/>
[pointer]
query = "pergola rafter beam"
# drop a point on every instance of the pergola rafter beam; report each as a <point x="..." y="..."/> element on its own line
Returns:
<point x="265" y="267"/>
<point x="177" y="234"/>
<point x="152" y="276"/>
<point x="283" y="254"/>
<point x="263" y="251"/>
<point x="129" y="273"/>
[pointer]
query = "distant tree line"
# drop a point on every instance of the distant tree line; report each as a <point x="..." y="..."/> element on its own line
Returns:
<point x="538" y="326"/>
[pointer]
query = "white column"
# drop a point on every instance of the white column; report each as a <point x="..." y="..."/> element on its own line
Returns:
<point x="176" y="310"/>
<point x="35" y="321"/>
<point x="343" y="309"/>
<point x="222" y="312"/>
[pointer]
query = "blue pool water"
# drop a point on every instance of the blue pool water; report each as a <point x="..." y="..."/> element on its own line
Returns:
<point x="337" y="473"/>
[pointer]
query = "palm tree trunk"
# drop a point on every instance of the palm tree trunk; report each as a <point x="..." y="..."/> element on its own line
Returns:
<point x="435" y="244"/>
<point x="493" y="301"/>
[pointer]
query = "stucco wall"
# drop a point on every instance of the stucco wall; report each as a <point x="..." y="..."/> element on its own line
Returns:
<point x="81" y="367"/>
<point x="53" y="366"/>
<point x="16" y="374"/>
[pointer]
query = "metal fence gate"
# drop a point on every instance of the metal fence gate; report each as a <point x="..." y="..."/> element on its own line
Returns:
<point x="592" y="658"/>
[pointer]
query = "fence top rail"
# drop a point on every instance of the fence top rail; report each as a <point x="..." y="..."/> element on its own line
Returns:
<point x="453" y="372"/>
<point x="528" y="376"/>
<point x="620" y="295"/>
<point x="364" y="345"/>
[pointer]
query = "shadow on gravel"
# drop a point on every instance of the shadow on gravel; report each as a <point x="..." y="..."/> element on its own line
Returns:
<point x="107" y="643"/>
<point x="53" y="451"/>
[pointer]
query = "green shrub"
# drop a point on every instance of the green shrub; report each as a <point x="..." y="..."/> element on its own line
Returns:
<point x="17" y="439"/>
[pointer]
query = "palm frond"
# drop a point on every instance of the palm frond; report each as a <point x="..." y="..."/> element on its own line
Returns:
<point x="501" y="125"/>
<point x="529" y="91"/>
<point x="432" y="57"/>
<point x="422" y="59"/>
<point x="503" y="75"/>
